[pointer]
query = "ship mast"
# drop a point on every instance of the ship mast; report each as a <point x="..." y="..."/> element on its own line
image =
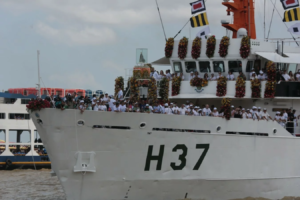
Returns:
<point x="243" y="15"/>
<point x="39" y="77"/>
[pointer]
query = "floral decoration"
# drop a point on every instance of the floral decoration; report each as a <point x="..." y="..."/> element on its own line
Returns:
<point x="240" y="87"/>
<point x="37" y="105"/>
<point x="176" y="82"/>
<point x="222" y="87"/>
<point x="119" y="83"/>
<point x="145" y="74"/>
<point x="271" y="82"/>
<point x="137" y="73"/>
<point x="196" y="48"/>
<point x="182" y="48"/>
<point x="245" y="47"/>
<point x="152" y="90"/>
<point x="256" y="87"/>
<point x="134" y="89"/>
<point x="169" y="47"/>
<point x="225" y="106"/>
<point x="204" y="82"/>
<point x="198" y="82"/>
<point x="223" y="51"/>
<point x="164" y="90"/>
<point x="211" y="46"/>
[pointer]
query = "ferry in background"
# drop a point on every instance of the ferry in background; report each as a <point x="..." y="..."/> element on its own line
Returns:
<point x="20" y="143"/>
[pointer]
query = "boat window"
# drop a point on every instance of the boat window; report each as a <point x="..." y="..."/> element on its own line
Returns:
<point x="279" y="109"/>
<point x="180" y="130"/>
<point x="190" y="67"/>
<point x="2" y="115"/>
<point x="177" y="67"/>
<point x="235" y="66"/>
<point x="249" y="66"/>
<point x="25" y="101"/>
<point x="19" y="116"/>
<point x="292" y="67"/>
<point x="204" y="66"/>
<point x="219" y="66"/>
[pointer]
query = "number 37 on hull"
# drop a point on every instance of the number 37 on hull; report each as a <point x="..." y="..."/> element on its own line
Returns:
<point x="183" y="149"/>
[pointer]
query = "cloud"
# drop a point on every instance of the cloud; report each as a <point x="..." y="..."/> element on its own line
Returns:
<point x="77" y="79"/>
<point x="85" y="36"/>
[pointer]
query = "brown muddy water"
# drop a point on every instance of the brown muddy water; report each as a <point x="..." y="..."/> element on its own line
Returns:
<point x="39" y="185"/>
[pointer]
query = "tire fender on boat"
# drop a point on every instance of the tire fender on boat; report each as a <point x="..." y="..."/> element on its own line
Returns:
<point x="8" y="162"/>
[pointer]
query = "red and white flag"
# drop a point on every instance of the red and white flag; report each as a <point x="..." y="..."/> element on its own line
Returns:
<point x="287" y="4"/>
<point x="198" y="6"/>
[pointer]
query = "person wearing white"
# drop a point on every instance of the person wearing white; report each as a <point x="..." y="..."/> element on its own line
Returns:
<point x="111" y="102"/>
<point x="286" y="76"/>
<point x="249" y="114"/>
<point x="192" y="75"/>
<point x="230" y="76"/>
<point x="244" y="114"/>
<point x="182" y="110"/>
<point x="255" y="114"/>
<point x="253" y="76"/>
<point x="285" y="115"/>
<point x="168" y="110"/>
<point x="123" y="106"/>
<point x="168" y="75"/>
<point x="298" y="75"/>
<point x="252" y="72"/>
<point x="156" y="76"/>
<point x="259" y="112"/>
<point x="105" y="98"/>
<point x="187" y="110"/>
<point x="261" y="76"/>
<point x="277" y="117"/>
<point x="283" y="121"/>
<point x="96" y="106"/>
<point x="117" y="107"/>
<point x="81" y="106"/>
<point x="195" y="112"/>
<point x="120" y="94"/>
<point x="213" y="78"/>
<point x="102" y="107"/>
<point x="181" y="75"/>
<point x="219" y="75"/>
<point x="215" y="113"/>
<point x="265" y="115"/>
<point x="206" y="111"/>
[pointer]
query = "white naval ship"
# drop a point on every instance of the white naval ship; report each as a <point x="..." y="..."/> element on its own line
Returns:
<point x="140" y="156"/>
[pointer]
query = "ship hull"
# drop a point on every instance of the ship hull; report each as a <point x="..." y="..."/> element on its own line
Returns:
<point x="152" y="164"/>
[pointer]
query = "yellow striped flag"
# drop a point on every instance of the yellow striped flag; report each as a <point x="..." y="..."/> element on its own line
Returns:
<point x="199" y="20"/>
<point x="292" y="15"/>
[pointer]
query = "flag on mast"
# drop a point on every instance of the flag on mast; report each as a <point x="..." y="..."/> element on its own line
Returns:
<point x="291" y="15"/>
<point x="295" y="29"/>
<point x="203" y="32"/>
<point x="198" y="6"/>
<point x="199" y="20"/>
<point x="287" y="4"/>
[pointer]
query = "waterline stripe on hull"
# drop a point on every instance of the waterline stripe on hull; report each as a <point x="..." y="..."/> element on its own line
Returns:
<point x="27" y="163"/>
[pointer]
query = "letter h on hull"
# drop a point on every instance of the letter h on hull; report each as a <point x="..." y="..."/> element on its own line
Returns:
<point x="158" y="158"/>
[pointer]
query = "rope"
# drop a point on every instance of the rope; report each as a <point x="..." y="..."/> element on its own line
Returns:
<point x="48" y="92"/>
<point x="161" y="20"/>
<point x="271" y="19"/>
<point x="31" y="149"/>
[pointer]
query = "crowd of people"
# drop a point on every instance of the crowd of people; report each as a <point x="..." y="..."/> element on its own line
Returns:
<point x="282" y="75"/>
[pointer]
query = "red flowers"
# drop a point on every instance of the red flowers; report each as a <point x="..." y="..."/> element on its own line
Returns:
<point x="271" y="84"/>
<point x="226" y="108"/>
<point x="240" y="87"/>
<point x="38" y="105"/>
<point x="176" y="82"/>
<point x="223" y="50"/>
<point x="196" y="48"/>
<point x="169" y="47"/>
<point x="245" y="47"/>
<point x="255" y="86"/>
<point x="182" y="48"/>
<point x="211" y="46"/>
<point x="222" y="87"/>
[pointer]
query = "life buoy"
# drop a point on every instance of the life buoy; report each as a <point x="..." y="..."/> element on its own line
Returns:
<point x="8" y="162"/>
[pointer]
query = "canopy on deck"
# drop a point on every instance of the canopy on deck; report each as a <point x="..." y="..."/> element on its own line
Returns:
<point x="162" y="61"/>
<point x="292" y="58"/>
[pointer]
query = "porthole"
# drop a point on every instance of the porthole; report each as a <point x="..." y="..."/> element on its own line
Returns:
<point x="143" y="125"/>
<point x="39" y="121"/>
<point x="218" y="128"/>
<point x="80" y="123"/>
<point x="274" y="131"/>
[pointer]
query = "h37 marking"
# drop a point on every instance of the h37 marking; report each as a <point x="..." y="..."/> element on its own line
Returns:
<point x="182" y="157"/>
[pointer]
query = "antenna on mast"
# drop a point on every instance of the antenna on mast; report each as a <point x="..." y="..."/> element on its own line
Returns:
<point x="264" y="20"/>
<point x="39" y="77"/>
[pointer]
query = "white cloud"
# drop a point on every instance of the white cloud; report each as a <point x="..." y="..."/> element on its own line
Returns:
<point x="77" y="79"/>
<point x="85" y="36"/>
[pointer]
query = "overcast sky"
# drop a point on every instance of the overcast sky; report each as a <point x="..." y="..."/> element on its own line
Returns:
<point x="87" y="44"/>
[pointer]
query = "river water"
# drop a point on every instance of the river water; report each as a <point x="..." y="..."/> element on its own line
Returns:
<point x="39" y="185"/>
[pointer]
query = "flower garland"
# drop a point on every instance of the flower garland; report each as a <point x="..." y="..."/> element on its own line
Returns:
<point x="222" y="87"/>
<point x="255" y="86"/>
<point x="176" y="82"/>
<point x="198" y="82"/>
<point x="134" y="89"/>
<point x="182" y="48"/>
<point x="119" y="83"/>
<point x="226" y="108"/>
<point x="145" y="74"/>
<point x="271" y="84"/>
<point x="137" y="73"/>
<point x="211" y="46"/>
<point x="169" y="47"/>
<point x="37" y="105"/>
<point x="152" y="90"/>
<point x="223" y="51"/>
<point x="245" y="47"/>
<point x="164" y="90"/>
<point x="240" y="87"/>
<point x="196" y="48"/>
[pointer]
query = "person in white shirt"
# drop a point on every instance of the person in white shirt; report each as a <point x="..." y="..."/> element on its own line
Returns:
<point x="249" y="114"/>
<point x="117" y="107"/>
<point x="261" y="76"/>
<point x="212" y="78"/>
<point x="167" y="110"/>
<point x="206" y="111"/>
<point x="123" y="106"/>
<point x="252" y="72"/>
<point x="168" y="75"/>
<point x="200" y="112"/>
<point x="215" y="113"/>
<point x="102" y="107"/>
<point x="181" y="76"/>
<point x="230" y="76"/>
<point x="286" y="76"/>
<point x="232" y="111"/>
<point x="81" y="106"/>
<point x="219" y="75"/>
<point x="187" y="110"/>
<point x="105" y="98"/>
<point x="156" y="76"/>
<point x="192" y="75"/>
<point x="120" y="94"/>
<point x="265" y="115"/>
<point x="253" y="76"/>
<point x="298" y="75"/>
<point x="195" y="111"/>
<point x="96" y="106"/>
<point x="244" y="114"/>
<point x="182" y="110"/>
<point x="259" y="112"/>
<point x="283" y="121"/>
<point x="255" y="114"/>
<point x="285" y="115"/>
<point x="111" y="102"/>
<point x="197" y="74"/>
<point x="277" y="117"/>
